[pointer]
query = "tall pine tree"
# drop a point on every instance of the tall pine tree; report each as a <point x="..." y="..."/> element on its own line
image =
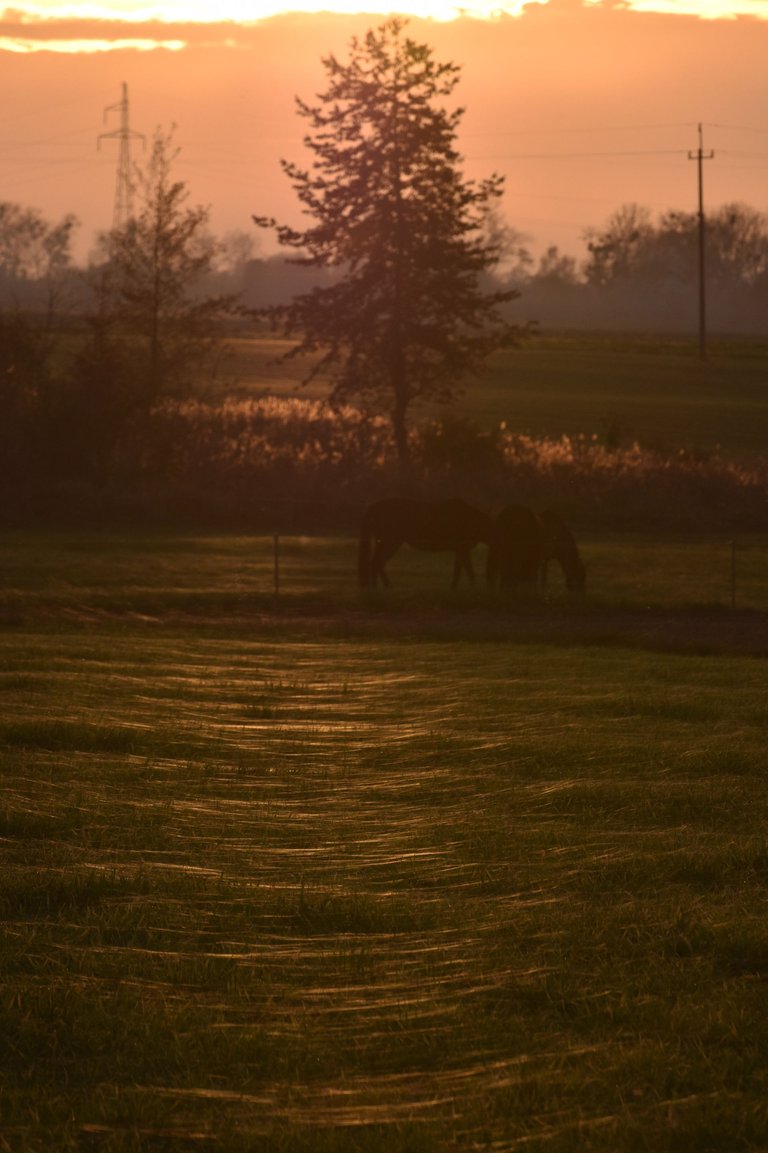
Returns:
<point x="407" y="319"/>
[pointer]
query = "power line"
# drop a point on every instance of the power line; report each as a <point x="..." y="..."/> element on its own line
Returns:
<point x="579" y="155"/>
<point x="741" y="128"/>
<point x="590" y="130"/>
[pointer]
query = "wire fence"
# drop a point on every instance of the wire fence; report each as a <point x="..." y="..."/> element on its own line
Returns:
<point x="636" y="570"/>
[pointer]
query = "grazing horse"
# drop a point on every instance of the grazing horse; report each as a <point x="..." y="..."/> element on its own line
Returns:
<point x="434" y="526"/>
<point x="525" y="542"/>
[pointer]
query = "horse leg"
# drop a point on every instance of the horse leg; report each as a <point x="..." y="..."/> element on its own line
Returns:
<point x="383" y="551"/>
<point x="377" y="566"/>
<point x="492" y="573"/>
<point x="463" y="563"/>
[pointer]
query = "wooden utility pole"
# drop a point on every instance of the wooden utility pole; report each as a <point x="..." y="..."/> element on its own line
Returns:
<point x="700" y="156"/>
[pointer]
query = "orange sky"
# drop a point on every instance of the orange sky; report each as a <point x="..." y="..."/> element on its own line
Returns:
<point x="583" y="108"/>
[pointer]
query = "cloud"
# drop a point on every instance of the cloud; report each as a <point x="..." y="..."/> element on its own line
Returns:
<point x="22" y="32"/>
<point x="44" y="26"/>
<point x="77" y="45"/>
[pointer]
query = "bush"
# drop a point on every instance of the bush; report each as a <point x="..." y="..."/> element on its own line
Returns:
<point x="301" y="465"/>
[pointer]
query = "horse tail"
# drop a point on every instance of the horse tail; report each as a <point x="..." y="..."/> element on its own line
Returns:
<point x="364" y="552"/>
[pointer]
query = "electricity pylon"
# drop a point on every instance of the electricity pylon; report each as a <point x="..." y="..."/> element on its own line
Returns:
<point x="124" y="186"/>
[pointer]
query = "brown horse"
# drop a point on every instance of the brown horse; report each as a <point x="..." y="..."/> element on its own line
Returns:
<point x="524" y="544"/>
<point x="516" y="554"/>
<point x="434" y="526"/>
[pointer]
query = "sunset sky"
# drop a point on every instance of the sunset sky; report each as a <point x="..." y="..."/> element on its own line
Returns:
<point x="583" y="107"/>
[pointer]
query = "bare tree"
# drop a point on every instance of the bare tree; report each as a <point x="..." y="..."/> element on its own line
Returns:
<point x="149" y="280"/>
<point x="35" y="260"/>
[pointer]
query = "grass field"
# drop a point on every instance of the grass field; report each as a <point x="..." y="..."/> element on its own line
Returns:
<point x="659" y="393"/>
<point x="333" y="874"/>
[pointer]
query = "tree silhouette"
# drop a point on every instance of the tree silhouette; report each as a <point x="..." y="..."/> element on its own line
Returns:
<point x="408" y="318"/>
<point x="35" y="262"/>
<point x="148" y="288"/>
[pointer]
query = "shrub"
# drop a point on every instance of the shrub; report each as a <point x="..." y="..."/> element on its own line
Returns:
<point x="293" y="464"/>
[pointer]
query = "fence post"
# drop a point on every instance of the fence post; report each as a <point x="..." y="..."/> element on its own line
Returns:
<point x="276" y="562"/>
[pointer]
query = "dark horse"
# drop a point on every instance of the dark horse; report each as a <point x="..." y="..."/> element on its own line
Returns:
<point x="516" y="553"/>
<point x="435" y="526"/>
<point x="523" y="545"/>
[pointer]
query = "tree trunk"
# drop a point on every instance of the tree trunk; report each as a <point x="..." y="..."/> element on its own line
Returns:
<point x="400" y="430"/>
<point x="399" y="383"/>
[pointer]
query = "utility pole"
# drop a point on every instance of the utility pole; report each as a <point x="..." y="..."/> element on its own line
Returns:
<point x="700" y="156"/>
<point x="123" y="187"/>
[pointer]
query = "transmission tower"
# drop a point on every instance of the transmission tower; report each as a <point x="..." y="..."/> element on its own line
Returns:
<point x="123" y="187"/>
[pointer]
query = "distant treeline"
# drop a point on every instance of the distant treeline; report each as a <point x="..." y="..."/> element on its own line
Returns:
<point x="640" y="275"/>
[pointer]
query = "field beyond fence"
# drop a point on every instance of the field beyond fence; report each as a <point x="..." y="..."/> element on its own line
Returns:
<point x="613" y="437"/>
<point x="409" y="872"/>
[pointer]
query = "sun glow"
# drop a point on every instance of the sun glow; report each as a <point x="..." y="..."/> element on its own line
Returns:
<point x="705" y="9"/>
<point x="94" y="26"/>
<point x="247" y="12"/>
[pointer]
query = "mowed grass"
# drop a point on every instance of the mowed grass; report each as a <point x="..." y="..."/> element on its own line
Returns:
<point x="269" y="890"/>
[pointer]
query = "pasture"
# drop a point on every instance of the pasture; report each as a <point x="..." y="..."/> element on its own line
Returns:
<point x="408" y="872"/>
<point x="657" y="392"/>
